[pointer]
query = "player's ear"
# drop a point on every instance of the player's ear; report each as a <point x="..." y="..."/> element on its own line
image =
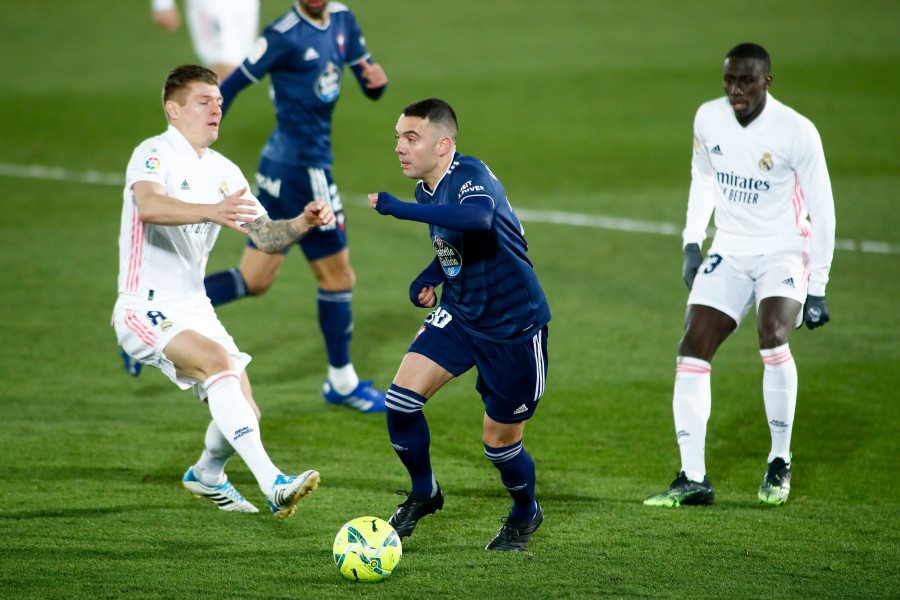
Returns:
<point x="444" y="146"/>
<point x="172" y="109"/>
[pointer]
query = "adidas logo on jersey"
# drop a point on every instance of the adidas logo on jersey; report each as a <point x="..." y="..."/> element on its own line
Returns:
<point x="716" y="150"/>
<point x="520" y="410"/>
<point x="185" y="186"/>
<point x="789" y="281"/>
<point x="311" y="54"/>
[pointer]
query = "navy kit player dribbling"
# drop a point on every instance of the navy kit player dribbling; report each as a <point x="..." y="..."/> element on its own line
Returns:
<point x="492" y="315"/>
<point x="304" y="53"/>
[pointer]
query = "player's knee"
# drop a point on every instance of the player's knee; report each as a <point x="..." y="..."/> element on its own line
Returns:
<point x="217" y="360"/>
<point x="775" y="338"/>
<point x="258" y="289"/>
<point x="258" y="283"/>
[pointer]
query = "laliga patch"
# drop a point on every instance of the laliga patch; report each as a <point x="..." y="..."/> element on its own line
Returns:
<point x="261" y="46"/>
<point x="152" y="163"/>
<point x="448" y="256"/>
<point x="766" y="163"/>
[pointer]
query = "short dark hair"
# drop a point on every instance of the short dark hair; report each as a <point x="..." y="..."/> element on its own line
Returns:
<point x="755" y="51"/>
<point x="437" y="111"/>
<point x="182" y="76"/>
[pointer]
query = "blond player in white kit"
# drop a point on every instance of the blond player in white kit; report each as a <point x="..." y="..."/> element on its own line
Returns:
<point x="178" y="195"/>
<point x="760" y="166"/>
<point x="223" y="32"/>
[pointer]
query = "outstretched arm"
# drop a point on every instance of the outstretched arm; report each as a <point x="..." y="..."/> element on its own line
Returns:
<point x="274" y="236"/>
<point x="476" y="213"/>
<point x="156" y="208"/>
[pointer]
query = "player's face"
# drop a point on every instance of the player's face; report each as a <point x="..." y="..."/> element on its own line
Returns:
<point x="199" y="117"/>
<point x="418" y="142"/>
<point x="745" y="82"/>
<point x="314" y="8"/>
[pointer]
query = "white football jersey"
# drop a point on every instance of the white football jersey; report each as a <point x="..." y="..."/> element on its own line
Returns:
<point x="766" y="182"/>
<point x="168" y="262"/>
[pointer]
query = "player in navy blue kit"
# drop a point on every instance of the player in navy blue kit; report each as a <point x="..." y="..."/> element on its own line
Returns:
<point x="304" y="53"/>
<point x="492" y="315"/>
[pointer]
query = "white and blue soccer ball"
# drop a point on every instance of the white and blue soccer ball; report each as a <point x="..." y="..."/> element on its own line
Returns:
<point x="367" y="549"/>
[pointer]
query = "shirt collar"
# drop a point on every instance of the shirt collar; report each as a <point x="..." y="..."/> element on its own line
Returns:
<point x="321" y="26"/>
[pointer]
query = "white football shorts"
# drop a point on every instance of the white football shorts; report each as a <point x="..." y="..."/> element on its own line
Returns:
<point x="731" y="284"/>
<point x="145" y="328"/>
<point x="223" y="31"/>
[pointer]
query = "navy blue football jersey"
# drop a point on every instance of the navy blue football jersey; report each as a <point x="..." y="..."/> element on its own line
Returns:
<point x="305" y="61"/>
<point x="490" y="285"/>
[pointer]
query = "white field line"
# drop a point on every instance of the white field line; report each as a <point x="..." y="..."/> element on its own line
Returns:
<point x="528" y="215"/>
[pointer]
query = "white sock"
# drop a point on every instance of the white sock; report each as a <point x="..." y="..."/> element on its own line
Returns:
<point x="780" y="397"/>
<point x="343" y="379"/>
<point x="692" y="403"/>
<point x="236" y="420"/>
<point x="210" y="468"/>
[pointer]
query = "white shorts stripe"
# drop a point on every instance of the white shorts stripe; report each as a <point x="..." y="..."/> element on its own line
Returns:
<point x="539" y="365"/>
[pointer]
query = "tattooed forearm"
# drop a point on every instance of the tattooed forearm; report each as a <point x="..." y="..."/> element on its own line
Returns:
<point x="274" y="236"/>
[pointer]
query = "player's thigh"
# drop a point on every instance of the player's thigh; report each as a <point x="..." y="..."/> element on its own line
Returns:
<point x="146" y="328"/>
<point x="512" y="377"/>
<point x="260" y="269"/>
<point x="783" y="275"/>
<point x="722" y="283"/>
<point x="441" y="342"/>
<point x="196" y="356"/>
<point x="422" y="375"/>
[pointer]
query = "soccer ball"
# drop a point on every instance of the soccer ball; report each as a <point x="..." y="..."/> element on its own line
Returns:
<point x="367" y="549"/>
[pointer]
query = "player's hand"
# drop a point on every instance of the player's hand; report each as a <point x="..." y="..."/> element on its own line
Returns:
<point x="318" y="213"/>
<point x="692" y="261"/>
<point x="168" y="19"/>
<point x="427" y="298"/>
<point x="373" y="74"/>
<point x="382" y="202"/>
<point x="234" y="210"/>
<point x="815" y="312"/>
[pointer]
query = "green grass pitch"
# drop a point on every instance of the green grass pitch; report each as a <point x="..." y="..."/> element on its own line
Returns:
<point x="583" y="107"/>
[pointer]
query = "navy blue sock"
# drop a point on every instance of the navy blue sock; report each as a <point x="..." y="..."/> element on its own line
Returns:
<point x="517" y="473"/>
<point x="225" y="286"/>
<point x="410" y="437"/>
<point x="336" y="323"/>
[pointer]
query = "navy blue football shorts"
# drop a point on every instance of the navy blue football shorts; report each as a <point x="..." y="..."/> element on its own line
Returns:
<point x="511" y="377"/>
<point x="284" y="190"/>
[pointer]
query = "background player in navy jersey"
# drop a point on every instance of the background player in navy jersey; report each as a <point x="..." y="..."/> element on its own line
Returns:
<point x="492" y="315"/>
<point x="304" y="53"/>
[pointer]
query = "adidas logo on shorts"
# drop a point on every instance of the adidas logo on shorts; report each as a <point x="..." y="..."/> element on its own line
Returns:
<point x="789" y="282"/>
<point x="185" y="186"/>
<point x="520" y="410"/>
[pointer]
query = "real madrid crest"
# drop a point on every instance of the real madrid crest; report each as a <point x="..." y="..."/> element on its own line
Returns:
<point x="223" y="189"/>
<point x="766" y="163"/>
